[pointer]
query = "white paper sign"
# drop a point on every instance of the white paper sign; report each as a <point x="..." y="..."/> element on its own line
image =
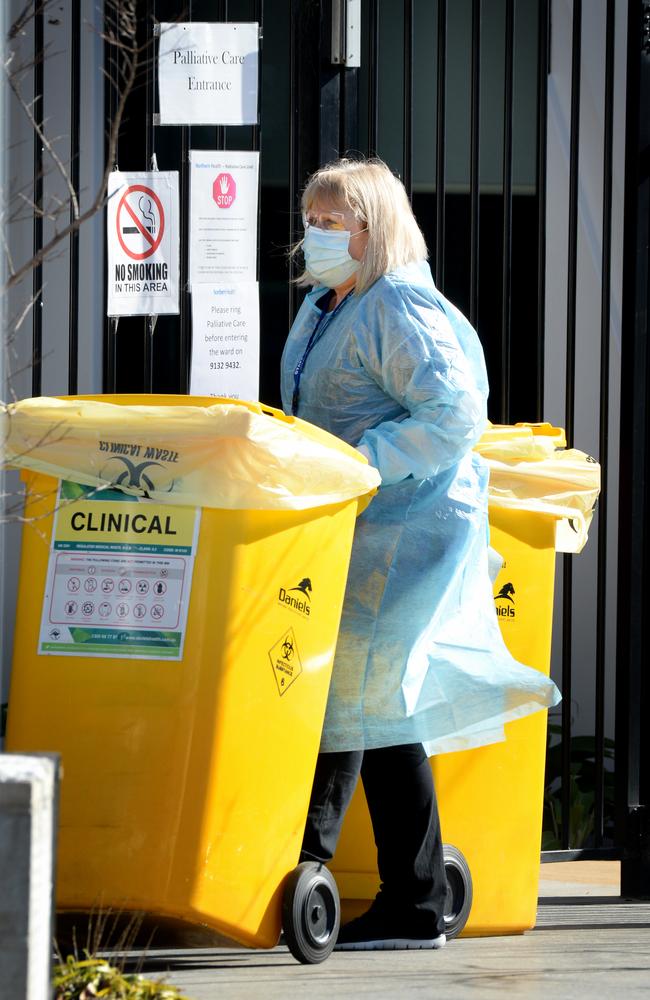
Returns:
<point x="225" y="341"/>
<point x="208" y="73"/>
<point x="223" y="216"/>
<point x="142" y="233"/>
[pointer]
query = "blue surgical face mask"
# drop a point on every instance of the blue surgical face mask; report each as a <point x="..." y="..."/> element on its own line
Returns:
<point x="327" y="257"/>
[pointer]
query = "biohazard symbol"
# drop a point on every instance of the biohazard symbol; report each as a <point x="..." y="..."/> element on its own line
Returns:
<point x="506" y="593"/>
<point x="285" y="660"/>
<point x="133" y="475"/>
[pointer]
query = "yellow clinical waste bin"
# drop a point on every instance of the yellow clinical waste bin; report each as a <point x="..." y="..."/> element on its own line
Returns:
<point x="188" y="746"/>
<point x="491" y="798"/>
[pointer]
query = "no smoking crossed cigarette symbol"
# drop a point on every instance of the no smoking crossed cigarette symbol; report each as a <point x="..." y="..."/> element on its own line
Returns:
<point x="141" y="212"/>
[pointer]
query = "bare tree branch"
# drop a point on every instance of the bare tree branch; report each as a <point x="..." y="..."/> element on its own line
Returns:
<point x="25" y="16"/>
<point x="123" y="58"/>
<point x="124" y="42"/>
<point x="27" y="309"/>
<point x="27" y="108"/>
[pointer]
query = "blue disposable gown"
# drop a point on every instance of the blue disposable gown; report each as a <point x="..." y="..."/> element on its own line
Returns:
<point x="420" y="658"/>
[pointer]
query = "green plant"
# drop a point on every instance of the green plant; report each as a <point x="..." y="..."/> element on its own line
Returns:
<point x="582" y="785"/>
<point x="92" y="977"/>
<point x="87" y="974"/>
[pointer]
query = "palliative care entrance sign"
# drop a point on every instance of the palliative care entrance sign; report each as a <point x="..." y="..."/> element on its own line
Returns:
<point x="208" y="73"/>
<point x="119" y="575"/>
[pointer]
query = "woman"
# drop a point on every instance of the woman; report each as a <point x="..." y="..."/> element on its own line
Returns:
<point x="380" y="358"/>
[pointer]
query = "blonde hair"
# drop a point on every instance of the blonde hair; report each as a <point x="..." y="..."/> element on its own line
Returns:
<point x="378" y="200"/>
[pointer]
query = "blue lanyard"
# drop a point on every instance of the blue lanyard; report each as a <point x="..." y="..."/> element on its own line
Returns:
<point x="324" y="320"/>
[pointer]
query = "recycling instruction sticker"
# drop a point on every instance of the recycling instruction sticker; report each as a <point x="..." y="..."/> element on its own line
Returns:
<point x="119" y="576"/>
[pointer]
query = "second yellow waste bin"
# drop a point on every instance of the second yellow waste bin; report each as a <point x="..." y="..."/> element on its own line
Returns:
<point x="186" y="771"/>
<point x="490" y="798"/>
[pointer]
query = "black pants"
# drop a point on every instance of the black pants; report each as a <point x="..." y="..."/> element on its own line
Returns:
<point x="402" y="802"/>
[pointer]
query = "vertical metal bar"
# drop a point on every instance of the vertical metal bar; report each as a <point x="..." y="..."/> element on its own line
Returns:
<point x="335" y="109"/>
<point x="185" y="340"/>
<point x="220" y="130"/>
<point x="150" y="71"/>
<point x="475" y="161"/>
<point x="608" y="109"/>
<point x="110" y="370"/>
<point x="185" y="330"/>
<point x="37" y="229"/>
<point x="572" y="264"/>
<point x="109" y="381"/>
<point x="329" y="120"/>
<point x="440" y="145"/>
<point x="294" y="148"/>
<point x="506" y="263"/>
<point x="632" y="627"/>
<point x="572" y="275"/>
<point x="408" y="97"/>
<point x="543" y="69"/>
<point x="307" y="83"/>
<point x="75" y="101"/>
<point x="632" y="499"/>
<point x="342" y="144"/>
<point x="149" y="105"/>
<point x="349" y="109"/>
<point x="373" y="77"/>
<point x="149" y="329"/>
<point x="256" y="131"/>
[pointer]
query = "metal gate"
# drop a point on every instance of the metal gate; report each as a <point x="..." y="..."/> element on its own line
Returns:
<point x="500" y="116"/>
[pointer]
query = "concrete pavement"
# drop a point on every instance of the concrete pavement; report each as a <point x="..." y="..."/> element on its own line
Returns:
<point x="588" y="943"/>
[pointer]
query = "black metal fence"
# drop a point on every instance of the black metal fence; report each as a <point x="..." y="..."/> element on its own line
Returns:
<point x="489" y="255"/>
<point x="633" y="649"/>
<point x="454" y="97"/>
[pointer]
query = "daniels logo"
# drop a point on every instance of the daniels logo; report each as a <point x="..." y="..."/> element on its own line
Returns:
<point x="505" y="594"/>
<point x="297" y="597"/>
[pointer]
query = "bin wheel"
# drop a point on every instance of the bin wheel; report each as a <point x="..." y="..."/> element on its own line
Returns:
<point x="311" y="912"/>
<point x="459" y="890"/>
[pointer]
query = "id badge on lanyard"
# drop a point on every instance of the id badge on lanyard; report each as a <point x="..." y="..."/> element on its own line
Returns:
<point x="324" y="320"/>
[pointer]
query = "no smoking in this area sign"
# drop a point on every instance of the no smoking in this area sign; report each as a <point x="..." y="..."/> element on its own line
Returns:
<point x="143" y="243"/>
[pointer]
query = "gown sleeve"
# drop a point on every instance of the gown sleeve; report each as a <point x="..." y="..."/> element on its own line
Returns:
<point x="432" y="366"/>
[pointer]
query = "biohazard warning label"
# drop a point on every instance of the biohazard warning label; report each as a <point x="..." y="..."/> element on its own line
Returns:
<point x="285" y="660"/>
<point x="143" y="242"/>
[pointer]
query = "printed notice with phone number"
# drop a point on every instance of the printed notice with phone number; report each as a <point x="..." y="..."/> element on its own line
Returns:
<point x="225" y="341"/>
<point x="119" y="576"/>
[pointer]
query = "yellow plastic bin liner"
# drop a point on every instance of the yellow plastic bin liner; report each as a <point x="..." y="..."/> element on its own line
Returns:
<point x="491" y="798"/>
<point x="533" y="470"/>
<point x="185" y="781"/>
<point x="185" y="450"/>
